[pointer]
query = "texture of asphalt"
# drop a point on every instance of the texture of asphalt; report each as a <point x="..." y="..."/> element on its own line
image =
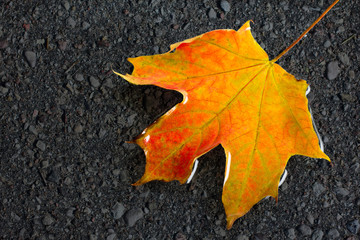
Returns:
<point x="65" y="168"/>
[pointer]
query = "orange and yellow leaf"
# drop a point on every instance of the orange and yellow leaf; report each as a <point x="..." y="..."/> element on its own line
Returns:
<point x="233" y="96"/>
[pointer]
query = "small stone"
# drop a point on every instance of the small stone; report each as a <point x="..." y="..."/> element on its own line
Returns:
<point x="291" y="233"/>
<point x="310" y="218"/>
<point x="259" y="236"/>
<point x="4" y="90"/>
<point x="132" y="216"/>
<point x="333" y="234"/>
<point x="225" y="5"/>
<point x="318" y="189"/>
<point x="344" y="58"/>
<point x="85" y="25"/>
<point x="70" y="212"/>
<point x="78" y="128"/>
<point x="93" y="237"/>
<point x="268" y="26"/>
<point x="327" y="44"/>
<point x="131" y="119"/>
<point x="45" y="164"/>
<point x="352" y="74"/>
<point x="333" y="70"/>
<point x="212" y="13"/>
<point x="33" y="129"/>
<point x="22" y="233"/>
<point x="4" y="44"/>
<point x="108" y="83"/>
<point x="347" y="97"/>
<point x="124" y="176"/>
<point x="340" y="29"/>
<point x="342" y="191"/>
<point x="180" y="236"/>
<point x="118" y="210"/>
<point x="40" y="41"/>
<point x="353" y="226"/>
<point x="220" y="231"/>
<point x="62" y="45"/>
<point x="41" y="145"/>
<point x="48" y="220"/>
<point x="30" y="58"/>
<point x="70" y="22"/>
<point x="242" y="237"/>
<point x="94" y="82"/>
<point x="116" y="172"/>
<point x="87" y="211"/>
<point x="317" y="235"/>
<point x="66" y="5"/>
<point x="111" y="236"/>
<point x="54" y="177"/>
<point x="67" y="181"/>
<point x="305" y="230"/>
<point x="15" y="217"/>
<point x="79" y="77"/>
<point x="102" y="133"/>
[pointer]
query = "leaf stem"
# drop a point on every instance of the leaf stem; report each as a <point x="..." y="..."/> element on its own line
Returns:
<point x="305" y="32"/>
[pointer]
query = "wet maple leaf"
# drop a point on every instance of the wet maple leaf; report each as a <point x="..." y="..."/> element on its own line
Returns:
<point x="233" y="96"/>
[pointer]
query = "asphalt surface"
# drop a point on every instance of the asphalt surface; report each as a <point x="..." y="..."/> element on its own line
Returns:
<point x="66" y="169"/>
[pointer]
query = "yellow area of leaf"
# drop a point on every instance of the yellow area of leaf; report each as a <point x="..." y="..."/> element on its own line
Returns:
<point x="233" y="96"/>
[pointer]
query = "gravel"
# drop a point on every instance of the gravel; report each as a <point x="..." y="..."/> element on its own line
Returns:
<point x="291" y="233"/>
<point x="342" y="191"/>
<point x="66" y="119"/>
<point x="79" y="77"/>
<point x="70" y="22"/>
<point x="31" y="58"/>
<point x="318" y="189"/>
<point x="333" y="234"/>
<point x="41" y="145"/>
<point x="305" y="230"/>
<point x="118" y="210"/>
<point x="133" y="215"/>
<point x="344" y="58"/>
<point x="212" y="13"/>
<point x="225" y="5"/>
<point x="353" y="226"/>
<point x="333" y="70"/>
<point x="317" y="235"/>
<point x="78" y="128"/>
<point x="48" y="220"/>
<point x="242" y="237"/>
<point x="94" y="82"/>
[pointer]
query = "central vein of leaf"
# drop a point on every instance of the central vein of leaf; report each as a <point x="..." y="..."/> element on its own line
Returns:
<point x="251" y="160"/>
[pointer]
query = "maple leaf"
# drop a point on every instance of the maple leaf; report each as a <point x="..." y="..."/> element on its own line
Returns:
<point x="235" y="96"/>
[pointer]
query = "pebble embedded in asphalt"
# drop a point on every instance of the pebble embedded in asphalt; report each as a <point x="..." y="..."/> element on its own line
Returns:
<point x="48" y="220"/>
<point x="41" y="145"/>
<point x="333" y="70"/>
<point x="212" y="13"/>
<point x="317" y="235"/>
<point x="353" y="226"/>
<point x="333" y="234"/>
<point x="318" y="189"/>
<point x="118" y="210"/>
<point x="78" y="128"/>
<point x="30" y="58"/>
<point x="132" y="216"/>
<point x="225" y="5"/>
<point x="305" y="230"/>
<point x="94" y="82"/>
